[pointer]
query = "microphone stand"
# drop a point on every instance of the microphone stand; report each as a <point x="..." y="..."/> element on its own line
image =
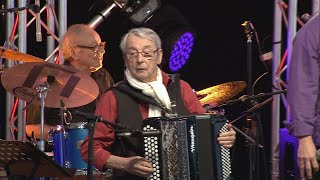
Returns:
<point x="246" y="97"/>
<point x="248" y="29"/>
<point x="92" y="120"/>
<point x="91" y="126"/>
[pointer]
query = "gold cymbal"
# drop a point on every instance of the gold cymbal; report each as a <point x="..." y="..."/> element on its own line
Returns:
<point x="64" y="83"/>
<point x="221" y="93"/>
<point x="15" y="55"/>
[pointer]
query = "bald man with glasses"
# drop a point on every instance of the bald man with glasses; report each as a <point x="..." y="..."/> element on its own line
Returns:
<point x="82" y="48"/>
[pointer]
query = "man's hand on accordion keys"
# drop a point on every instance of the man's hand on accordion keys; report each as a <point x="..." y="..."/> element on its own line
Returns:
<point x="136" y="165"/>
<point x="139" y="166"/>
<point x="227" y="139"/>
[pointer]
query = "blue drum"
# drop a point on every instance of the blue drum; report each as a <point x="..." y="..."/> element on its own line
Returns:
<point x="75" y="134"/>
<point x="66" y="145"/>
<point x="57" y="138"/>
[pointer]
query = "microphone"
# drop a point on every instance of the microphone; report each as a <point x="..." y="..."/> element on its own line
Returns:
<point x="38" y="24"/>
<point x="139" y="133"/>
<point x="247" y="27"/>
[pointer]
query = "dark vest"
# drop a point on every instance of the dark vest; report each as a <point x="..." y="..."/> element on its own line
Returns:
<point x="129" y="114"/>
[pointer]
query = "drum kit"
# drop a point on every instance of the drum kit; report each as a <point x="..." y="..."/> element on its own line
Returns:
<point x="38" y="82"/>
<point x="47" y="84"/>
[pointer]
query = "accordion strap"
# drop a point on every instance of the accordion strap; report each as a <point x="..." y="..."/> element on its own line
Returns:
<point x="137" y="94"/>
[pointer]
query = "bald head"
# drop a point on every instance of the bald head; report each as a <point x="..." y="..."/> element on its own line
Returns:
<point x="75" y="35"/>
<point x="82" y="48"/>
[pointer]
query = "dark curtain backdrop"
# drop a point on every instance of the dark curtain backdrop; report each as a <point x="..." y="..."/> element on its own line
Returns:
<point x="219" y="56"/>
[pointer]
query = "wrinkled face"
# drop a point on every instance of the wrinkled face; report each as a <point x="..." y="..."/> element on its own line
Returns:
<point x="141" y="58"/>
<point x="89" y="52"/>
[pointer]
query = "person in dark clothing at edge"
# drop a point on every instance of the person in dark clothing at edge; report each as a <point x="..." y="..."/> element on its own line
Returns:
<point x="82" y="49"/>
<point x="142" y="55"/>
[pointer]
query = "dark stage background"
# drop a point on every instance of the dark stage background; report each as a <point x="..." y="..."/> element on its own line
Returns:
<point x="219" y="56"/>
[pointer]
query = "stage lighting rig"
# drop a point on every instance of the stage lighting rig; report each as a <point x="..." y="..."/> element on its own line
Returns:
<point x="177" y="36"/>
<point x="102" y="15"/>
<point x="140" y="11"/>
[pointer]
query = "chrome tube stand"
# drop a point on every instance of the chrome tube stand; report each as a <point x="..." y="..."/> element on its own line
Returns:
<point x="42" y="89"/>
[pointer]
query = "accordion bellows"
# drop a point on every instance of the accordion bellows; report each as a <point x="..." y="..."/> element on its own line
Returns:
<point x="187" y="148"/>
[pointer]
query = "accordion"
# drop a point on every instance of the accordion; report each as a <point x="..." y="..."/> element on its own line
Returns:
<point x="187" y="148"/>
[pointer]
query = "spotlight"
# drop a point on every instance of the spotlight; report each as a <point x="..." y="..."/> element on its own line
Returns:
<point x="176" y="34"/>
<point x="177" y="47"/>
<point x="139" y="11"/>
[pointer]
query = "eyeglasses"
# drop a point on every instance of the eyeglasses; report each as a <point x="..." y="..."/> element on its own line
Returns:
<point x="145" y="54"/>
<point x="94" y="48"/>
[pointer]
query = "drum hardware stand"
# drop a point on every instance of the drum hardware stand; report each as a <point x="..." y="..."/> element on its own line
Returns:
<point x="65" y="115"/>
<point x="247" y="113"/>
<point x="43" y="88"/>
<point x="248" y="132"/>
<point x="42" y="93"/>
<point x="252" y="143"/>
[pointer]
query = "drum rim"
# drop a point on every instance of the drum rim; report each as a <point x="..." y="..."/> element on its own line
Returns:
<point x="77" y="125"/>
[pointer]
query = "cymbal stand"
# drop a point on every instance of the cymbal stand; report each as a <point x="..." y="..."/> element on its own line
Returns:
<point x="42" y="92"/>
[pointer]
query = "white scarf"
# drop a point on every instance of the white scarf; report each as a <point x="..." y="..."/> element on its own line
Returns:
<point x="155" y="89"/>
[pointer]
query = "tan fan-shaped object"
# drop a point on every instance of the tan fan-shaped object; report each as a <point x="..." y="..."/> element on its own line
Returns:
<point x="65" y="84"/>
<point x="220" y="93"/>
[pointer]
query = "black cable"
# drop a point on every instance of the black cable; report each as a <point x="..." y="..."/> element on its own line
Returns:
<point x="256" y="81"/>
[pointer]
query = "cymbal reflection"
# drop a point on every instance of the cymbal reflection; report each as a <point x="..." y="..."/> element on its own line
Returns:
<point x="220" y="93"/>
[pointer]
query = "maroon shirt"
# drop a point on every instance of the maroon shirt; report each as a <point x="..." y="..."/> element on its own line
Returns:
<point x="107" y="108"/>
